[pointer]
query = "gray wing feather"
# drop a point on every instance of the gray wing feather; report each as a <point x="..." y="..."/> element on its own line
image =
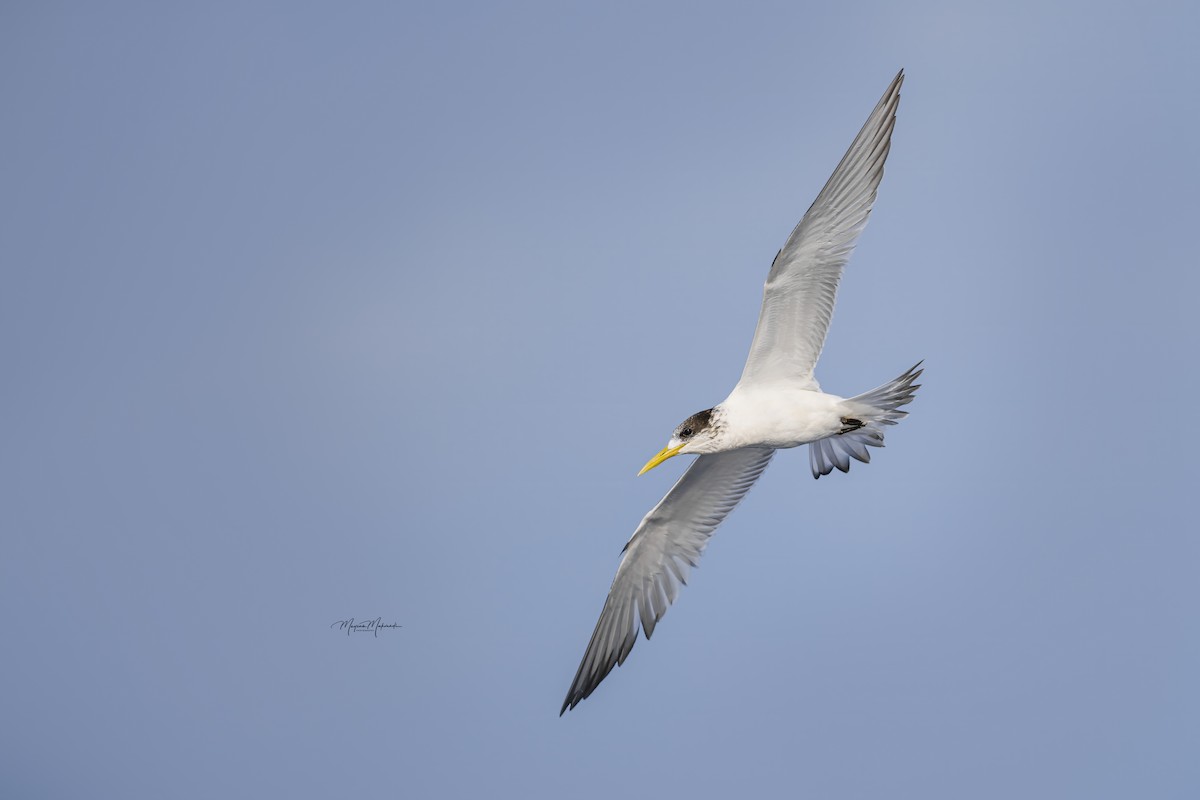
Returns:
<point x="802" y="286"/>
<point x="657" y="558"/>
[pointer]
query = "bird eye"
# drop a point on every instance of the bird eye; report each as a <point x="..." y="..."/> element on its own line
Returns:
<point x="685" y="433"/>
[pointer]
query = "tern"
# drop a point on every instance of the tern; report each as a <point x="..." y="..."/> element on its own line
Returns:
<point x="777" y="404"/>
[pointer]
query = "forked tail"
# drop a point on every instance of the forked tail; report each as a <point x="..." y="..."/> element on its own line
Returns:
<point x="865" y="414"/>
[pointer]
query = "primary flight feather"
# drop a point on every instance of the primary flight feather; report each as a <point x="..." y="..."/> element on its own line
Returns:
<point x="777" y="404"/>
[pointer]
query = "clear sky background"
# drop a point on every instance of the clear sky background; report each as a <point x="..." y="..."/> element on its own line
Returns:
<point x="316" y="311"/>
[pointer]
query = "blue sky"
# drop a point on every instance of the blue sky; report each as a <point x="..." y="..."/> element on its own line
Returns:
<point x="309" y="313"/>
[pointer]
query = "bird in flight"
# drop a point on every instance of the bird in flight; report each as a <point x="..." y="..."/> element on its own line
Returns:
<point x="777" y="404"/>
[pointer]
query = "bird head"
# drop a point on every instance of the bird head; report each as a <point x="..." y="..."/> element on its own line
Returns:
<point x="696" y="434"/>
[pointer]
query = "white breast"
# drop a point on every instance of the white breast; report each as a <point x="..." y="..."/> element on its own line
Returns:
<point x="779" y="415"/>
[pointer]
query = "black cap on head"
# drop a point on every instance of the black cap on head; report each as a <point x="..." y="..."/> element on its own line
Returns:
<point x="694" y="424"/>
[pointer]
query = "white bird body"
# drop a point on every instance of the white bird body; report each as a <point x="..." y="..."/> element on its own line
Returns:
<point x="776" y="405"/>
<point x="780" y="415"/>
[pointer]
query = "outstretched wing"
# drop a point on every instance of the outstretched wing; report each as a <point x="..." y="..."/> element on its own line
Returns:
<point x="658" y="556"/>
<point x="802" y="285"/>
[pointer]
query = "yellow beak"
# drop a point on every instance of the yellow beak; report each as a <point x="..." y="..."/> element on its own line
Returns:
<point x="662" y="456"/>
